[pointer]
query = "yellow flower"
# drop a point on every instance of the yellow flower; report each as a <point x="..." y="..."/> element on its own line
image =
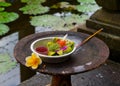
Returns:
<point x="33" y="61"/>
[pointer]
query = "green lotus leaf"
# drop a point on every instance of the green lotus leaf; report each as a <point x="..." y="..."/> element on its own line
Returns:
<point x="64" y="5"/>
<point x="86" y="1"/>
<point x="24" y="1"/>
<point x="4" y="4"/>
<point x="47" y="21"/>
<point x="6" y="63"/>
<point x="2" y="9"/>
<point x="6" y="17"/>
<point x="33" y="9"/>
<point x="33" y="1"/>
<point x="58" y="23"/>
<point x="3" y="29"/>
<point x="83" y="17"/>
<point x="75" y="19"/>
<point x="67" y="5"/>
<point x="70" y="22"/>
<point x="60" y="5"/>
<point x="86" y="8"/>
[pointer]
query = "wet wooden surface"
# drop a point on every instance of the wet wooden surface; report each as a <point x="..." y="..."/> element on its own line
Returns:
<point x="91" y="55"/>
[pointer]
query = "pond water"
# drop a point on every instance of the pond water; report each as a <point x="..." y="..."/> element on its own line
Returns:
<point x="50" y="13"/>
<point x="9" y="68"/>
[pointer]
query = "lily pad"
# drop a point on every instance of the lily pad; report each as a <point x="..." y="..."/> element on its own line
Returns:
<point x="33" y="1"/>
<point x="70" y="22"/>
<point x="47" y="21"/>
<point x="86" y="8"/>
<point x="4" y="4"/>
<point x="34" y="9"/>
<point x="60" y="5"/>
<point x="64" y="5"/>
<point x="58" y="23"/>
<point x="2" y="9"/>
<point x="6" y="63"/>
<point x="3" y="29"/>
<point x="6" y="17"/>
<point x="75" y="19"/>
<point x="86" y="1"/>
<point x="24" y="1"/>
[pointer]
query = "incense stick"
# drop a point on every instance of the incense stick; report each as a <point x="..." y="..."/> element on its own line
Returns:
<point x="65" y="37"/>
<point x="88" y="38"/>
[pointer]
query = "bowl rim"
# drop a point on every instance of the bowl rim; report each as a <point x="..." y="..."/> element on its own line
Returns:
<point x="46" y="56"/>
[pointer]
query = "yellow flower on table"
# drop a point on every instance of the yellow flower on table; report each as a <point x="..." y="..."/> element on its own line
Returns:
<point x="33" y="61"/>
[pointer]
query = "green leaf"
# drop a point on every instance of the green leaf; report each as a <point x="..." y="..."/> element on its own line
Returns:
<point x="64" y="5"/>
<point x="53" y="47"/>
<point x="58" y="23"/>
<point x="24" y="1"/>
<point x="34" y="9"/>
<point x="50" y="53"/>
<point x="86" y="1"/>
<point x="69" y="49"/>
<point x="84" y="17"/>
<point x="47" y="21"/>
<point x="3" y="29"/>
<point x="6" y="17"/>
<point x="70" y="22"/>
<point x="74" y="18"/>
<point x="60" y="52"/>
<point x="86" y="8"/>
<point x="2" y="9"/>
<point x="4" y="4"/>
<point x="6" y="63"/>
<point x="33" y="1"/>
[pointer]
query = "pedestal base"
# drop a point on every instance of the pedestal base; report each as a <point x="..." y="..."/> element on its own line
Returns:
<point x="61" y="80"/>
